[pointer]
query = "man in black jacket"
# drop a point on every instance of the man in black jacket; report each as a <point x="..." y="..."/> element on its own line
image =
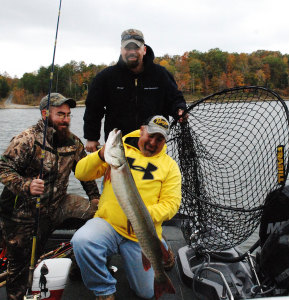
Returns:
<point x="130" y="91"/>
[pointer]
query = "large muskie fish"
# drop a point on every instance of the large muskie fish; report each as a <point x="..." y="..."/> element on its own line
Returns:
<point x="126" y="192"/>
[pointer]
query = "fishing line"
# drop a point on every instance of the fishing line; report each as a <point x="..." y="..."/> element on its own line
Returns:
<point x="37" y="215"/>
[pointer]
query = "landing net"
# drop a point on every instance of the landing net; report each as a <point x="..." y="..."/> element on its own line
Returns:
<point x="232" y="152"/>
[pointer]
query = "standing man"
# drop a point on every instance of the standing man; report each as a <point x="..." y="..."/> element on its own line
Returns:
<point x="130" y="91"/>
<point x="20" y="166"/>
<point x="158" y="180"/>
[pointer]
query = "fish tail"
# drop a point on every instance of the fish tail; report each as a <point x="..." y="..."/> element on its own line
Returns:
<point x="162" y="285"/>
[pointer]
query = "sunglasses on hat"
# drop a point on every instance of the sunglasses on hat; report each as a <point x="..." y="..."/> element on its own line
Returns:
<point x="134" y="37"/>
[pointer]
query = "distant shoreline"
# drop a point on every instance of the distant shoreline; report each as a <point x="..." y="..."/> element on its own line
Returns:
<point x="3" y="105"/>
<point x="8" y="104"/>
<point x="23" y="106"/>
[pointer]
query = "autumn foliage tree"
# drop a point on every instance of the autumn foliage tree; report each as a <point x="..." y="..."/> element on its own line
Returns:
<point x="71" y="80"/>
<point x="196" y="73"/>
<point x="4" y="87"/>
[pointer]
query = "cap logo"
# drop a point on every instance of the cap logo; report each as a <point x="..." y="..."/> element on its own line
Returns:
<point x="161" y="122"/>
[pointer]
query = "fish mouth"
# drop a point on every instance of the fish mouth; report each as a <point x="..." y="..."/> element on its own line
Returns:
<point x="117" y="137"/>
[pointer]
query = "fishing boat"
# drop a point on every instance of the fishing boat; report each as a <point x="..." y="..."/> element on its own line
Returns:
<point x="233" y="156"/>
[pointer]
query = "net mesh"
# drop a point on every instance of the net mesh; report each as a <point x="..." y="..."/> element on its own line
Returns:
<point x="230" y="158"/>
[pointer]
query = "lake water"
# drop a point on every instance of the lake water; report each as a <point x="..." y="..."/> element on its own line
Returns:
<point x="13" y="121"/>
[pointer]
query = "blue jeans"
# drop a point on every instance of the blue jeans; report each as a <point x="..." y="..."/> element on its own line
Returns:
<point x="97" y="240"/>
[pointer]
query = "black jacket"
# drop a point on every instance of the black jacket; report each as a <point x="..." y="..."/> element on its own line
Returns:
<point x="127" y="99"/>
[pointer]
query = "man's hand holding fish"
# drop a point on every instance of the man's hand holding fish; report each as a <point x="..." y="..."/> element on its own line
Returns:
<point x="142" y="189"/>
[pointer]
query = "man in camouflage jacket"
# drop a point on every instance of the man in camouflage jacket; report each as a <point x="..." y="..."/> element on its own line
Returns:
<point x="20" y="166"/>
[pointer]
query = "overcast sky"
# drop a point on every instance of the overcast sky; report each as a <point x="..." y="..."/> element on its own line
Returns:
<point x="90" y="30"/>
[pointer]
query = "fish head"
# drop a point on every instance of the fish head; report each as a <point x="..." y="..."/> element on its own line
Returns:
<point x="114" y="151"/>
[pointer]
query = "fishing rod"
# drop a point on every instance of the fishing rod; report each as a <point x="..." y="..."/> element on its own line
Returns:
<point x="37" y="215"/>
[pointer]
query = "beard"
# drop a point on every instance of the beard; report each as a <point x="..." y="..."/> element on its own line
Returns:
<point x="132" y="64"/>
<point x="150" y="151"/>
<point x="62" y="133"/>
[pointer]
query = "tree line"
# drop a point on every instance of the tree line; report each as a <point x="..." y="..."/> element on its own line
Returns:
<point x="197" y="74"/>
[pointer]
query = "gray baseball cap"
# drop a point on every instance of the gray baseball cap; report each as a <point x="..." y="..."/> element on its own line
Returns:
<point x="56" y="99"/>
<point x="132" y="36"/>
<point x="158" y="124"/>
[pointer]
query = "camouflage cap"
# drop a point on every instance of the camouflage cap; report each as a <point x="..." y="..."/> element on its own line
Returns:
<point x="158" y="124"/>
<point x="132" y="36"/>
<point x="56" y="99"/>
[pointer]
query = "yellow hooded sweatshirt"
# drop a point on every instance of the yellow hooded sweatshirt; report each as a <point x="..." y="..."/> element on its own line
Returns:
<point x="158" y="180"/>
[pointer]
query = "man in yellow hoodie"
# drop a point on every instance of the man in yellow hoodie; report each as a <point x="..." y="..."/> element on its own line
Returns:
<point x="158" y="180"/>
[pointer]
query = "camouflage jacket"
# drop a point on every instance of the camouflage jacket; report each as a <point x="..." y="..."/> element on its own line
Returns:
<point x="21" y="163"/>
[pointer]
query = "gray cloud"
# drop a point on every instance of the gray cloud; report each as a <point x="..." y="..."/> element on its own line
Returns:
<point x="90" y="30"/>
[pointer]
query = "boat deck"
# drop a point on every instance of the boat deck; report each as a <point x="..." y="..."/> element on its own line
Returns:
<point x="75" y="289"/>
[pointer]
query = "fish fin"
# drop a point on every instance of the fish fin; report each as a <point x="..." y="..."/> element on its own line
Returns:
<point x="165" y="252"/>
<point x="145" y="262"/>
<point x="163" y="285"/>
<point x="129" y="227"/>
<point x="107" y="175"/>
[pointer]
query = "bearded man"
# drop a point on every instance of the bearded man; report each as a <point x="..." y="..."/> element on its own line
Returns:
<point x="130" y="92"/>
<point x="20" y="167"/>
